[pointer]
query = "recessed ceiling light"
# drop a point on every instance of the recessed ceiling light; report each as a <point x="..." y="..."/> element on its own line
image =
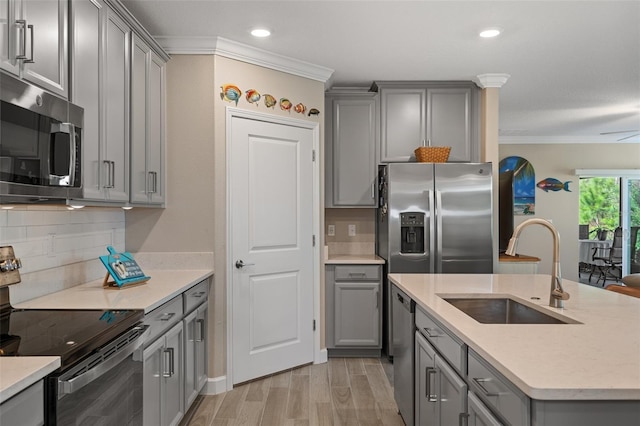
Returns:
<point x="260" y="32"/>
<point x="490" y="32"/>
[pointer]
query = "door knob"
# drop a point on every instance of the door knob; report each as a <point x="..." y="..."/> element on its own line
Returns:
<point x="240" y="264"/>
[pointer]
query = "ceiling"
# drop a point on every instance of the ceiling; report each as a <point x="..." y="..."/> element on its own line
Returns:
<point x="574" y="66"/>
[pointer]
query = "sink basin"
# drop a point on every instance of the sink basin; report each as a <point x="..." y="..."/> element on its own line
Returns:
<point x="503" y="310"/>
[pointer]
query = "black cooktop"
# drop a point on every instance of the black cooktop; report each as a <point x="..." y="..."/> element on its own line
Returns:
<point x="69" y="334"/>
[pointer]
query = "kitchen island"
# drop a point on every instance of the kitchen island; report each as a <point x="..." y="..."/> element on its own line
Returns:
<point x="594" y="359"/>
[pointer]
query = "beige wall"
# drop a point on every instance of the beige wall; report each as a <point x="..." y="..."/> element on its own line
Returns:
<point x="194" y="219"/>
<point x="341" y="243"/>
<point x="560" y="161"/>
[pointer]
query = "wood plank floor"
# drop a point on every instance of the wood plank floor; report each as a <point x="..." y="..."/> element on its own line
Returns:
<point x="344" y="391"/>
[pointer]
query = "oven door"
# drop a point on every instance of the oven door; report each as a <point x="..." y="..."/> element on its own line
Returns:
<point x="104" y="388"/>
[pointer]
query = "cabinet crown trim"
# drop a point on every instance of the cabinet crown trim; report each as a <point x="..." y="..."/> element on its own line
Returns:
<point x="233" y="50"/>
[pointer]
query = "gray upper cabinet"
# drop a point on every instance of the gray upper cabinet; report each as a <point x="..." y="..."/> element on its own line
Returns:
<point x="33" y="42"/>
<point x="352" y="134"/>
<point x="147" y="124"/>
<point x="413" y="113"/>
<point x="100" y="85"/>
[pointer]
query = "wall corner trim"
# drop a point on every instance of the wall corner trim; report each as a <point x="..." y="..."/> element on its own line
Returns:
<point x="245" y="53"/>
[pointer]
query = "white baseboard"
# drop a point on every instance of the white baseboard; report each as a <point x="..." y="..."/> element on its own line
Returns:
<point x="323" y="356"/>
<point x="214" y="386"/>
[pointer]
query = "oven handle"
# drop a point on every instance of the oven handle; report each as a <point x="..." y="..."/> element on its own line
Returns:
<point x="70" y="386"/>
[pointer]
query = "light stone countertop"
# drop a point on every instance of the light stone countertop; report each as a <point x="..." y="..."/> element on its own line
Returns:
<point x="596" y="360"/>
<point x="162" y="287"/>
<point x="354" y="259"/>
<point x="18" y="373"/>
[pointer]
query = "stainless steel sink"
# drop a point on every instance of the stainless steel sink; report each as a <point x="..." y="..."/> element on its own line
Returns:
<point x="504" y="310"/>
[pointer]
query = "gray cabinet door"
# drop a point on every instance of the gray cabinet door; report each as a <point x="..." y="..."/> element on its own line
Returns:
<point x="195" y="353"/>
<point x="190" y="388"/>
<point x="147" y="117"/>
<point x="403" y="123"/>
<point x="201" y="346"/>
<point x="173" y="376"/>
<point x="350" y="150"/>
<point x="152" y="383"/>
<point x="449" y="120"/>
<point x="426" y="398"/>
<point x="452" y="394"/>
<point x="357" y="312"/>
<point x="88" y="19"/>
<point x="9" y="36"/>
<point x="479" y="414"/>
<point x="115" y="163"/>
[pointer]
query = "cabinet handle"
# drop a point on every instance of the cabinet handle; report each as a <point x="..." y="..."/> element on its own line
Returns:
<point x="167" y="316"/>
<point x="113" y="174"/>
<point x="147" y="188"/>
<point x="153" y="187"/>
<point x="200" y="322"/>
<point x="480" y="383"/>
<point x="108" y="176"/>
<point x="199" y="294"/>
<point x="155" y="182"/>
<point x="463" y="419"/>
<point x="30" y="60"/>
<point x="23" y="54"/>
<point x="373" y="190"/>
<point x="428" y="372"/>
<point x="169" y="363"/>
<point x="431" y="333"/>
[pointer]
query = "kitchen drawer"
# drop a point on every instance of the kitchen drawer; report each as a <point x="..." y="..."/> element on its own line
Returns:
<point x="358" y="272"/>
<point x="498" y="392"/>
<point x="449" y="346"/>
<point x="193" y="297"/>
<point x="164" y="317"/>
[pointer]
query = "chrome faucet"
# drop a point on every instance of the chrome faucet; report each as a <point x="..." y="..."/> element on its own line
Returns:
<point x="557" y="295"/>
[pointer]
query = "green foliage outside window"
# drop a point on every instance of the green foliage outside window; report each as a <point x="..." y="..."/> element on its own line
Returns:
<point x="600" y="203"/>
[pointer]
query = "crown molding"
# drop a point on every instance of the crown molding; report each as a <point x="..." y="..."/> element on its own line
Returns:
<point x="486" y="81"/>
<point x="572" y="139"/>
<point x="245" y="53"/>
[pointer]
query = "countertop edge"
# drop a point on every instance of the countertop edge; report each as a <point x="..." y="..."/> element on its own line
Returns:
<point x="535" y="393"/>
<point x="354" y="260"/>
<point x="36" y="369"/>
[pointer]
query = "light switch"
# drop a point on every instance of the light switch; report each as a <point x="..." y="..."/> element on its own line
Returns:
<point x="331" y="230"/>
<point x="352" y="230"/>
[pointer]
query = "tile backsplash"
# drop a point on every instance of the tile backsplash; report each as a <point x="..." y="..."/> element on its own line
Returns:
<point x="58" y="247"/>
<point x="363" y="243"/>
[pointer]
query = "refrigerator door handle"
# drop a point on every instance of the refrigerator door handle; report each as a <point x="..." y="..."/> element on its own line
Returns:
<point x="438" y="210"/>
<point x="432" y="234"/>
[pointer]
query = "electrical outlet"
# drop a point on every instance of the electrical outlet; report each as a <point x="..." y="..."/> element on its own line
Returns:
<point x="331" y="230"/>
<point x="352" y="230"/>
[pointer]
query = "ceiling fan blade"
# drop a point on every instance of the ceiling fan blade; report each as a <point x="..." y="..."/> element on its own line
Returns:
<point x="619" y="131"/>
<point x="628" y="137"/>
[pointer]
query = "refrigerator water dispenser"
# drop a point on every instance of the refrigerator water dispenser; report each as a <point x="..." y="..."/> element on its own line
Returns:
<point x="412" y="232"/>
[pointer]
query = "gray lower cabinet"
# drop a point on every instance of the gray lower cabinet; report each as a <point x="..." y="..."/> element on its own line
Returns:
<point x="175" y="356"/>
<point x="352" y="138"/>
<point x="163" y="379"/>
<point x="445" y="113"/>
<point x="353" y="303"/>
<point x="195" y="365"/>
<point x="25" y="408"/>
<point x="479" y="414"/>
<point x="440" y="393"/>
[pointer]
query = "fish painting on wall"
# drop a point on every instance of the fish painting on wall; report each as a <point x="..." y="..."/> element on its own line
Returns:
<point x="553" y="184"/>
<point x="524" y="188"/>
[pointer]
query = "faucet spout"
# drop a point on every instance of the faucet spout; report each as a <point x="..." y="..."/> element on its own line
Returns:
<point x="557" y="295"/>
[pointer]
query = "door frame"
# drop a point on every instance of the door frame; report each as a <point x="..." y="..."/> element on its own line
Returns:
<point x="232" y="112"/>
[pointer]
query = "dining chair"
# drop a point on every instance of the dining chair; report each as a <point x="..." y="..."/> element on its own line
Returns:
<point x="611" y="261"/>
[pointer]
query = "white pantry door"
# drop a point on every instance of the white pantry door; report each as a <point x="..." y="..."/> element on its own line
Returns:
<point x="271" y="215"/>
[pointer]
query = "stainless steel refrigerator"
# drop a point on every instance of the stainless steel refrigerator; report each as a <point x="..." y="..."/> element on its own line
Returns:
<point x="434" y="218"/>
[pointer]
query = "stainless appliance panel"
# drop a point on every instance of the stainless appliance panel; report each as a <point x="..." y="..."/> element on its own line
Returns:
<point x="403" y="349"/>
<point x="40" y="144"/>
<point x="464" y="211"/>
<point x="410" y="189"/>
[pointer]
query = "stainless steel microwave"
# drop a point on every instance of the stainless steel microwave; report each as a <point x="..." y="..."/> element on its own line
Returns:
<point x="40" y="145"/>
